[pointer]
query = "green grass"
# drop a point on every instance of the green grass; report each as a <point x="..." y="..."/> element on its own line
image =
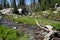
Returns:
<point x="54" y="24"/>
<point x="42" y="21"/>
<point x="25" y="20"/>
<point x="10" y="34"/>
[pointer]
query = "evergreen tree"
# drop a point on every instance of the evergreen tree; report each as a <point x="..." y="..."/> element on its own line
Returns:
<point x="7" y="5"/>
<point x="15" y="11"/>
<point x="21" y="3"/>
<point x="4" y="4"/>
<point x="39" y="1"/>
<point x="0" y="7"/>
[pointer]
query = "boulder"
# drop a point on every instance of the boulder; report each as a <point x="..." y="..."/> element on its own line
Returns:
<point x="7" y="11"/>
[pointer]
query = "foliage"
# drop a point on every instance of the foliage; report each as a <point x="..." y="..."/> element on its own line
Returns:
<point x="47" y="4"/>
<point x="10" y="34"/>
<point x="25" y="20"/>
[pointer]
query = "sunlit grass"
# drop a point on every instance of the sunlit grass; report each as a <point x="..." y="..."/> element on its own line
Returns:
<point x="10" y="34"/>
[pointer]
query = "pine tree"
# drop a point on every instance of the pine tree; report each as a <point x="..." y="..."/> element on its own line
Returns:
<point x="15" y="11"/>
<point x="1" y="4"/>
<point x="4" y="4"/>
<point x="0" y="7"/>
<point x="39" y="1"/>
<point x="21" y="3"/>
<point x="7" y="5"/>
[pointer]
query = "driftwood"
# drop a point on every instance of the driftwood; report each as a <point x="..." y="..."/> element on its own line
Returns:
<point x="46" y="37"/>
<point x="40" y="26"/>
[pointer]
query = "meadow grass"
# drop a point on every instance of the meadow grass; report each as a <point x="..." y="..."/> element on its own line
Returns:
<point x="11" y="34"/>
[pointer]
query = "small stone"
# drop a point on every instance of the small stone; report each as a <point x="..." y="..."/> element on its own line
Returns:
<point x="14" y="27"/>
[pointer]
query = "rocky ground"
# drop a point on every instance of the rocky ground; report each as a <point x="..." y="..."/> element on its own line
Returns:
<point x="32" y="31"/>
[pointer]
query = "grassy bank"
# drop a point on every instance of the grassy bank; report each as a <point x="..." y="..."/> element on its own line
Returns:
<point x="10" y="34"/>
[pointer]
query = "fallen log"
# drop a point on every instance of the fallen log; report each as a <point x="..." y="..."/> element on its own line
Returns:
<point x="50" y="31"/>
<point x="47" y="37"/>
<point x="40" y="26"/>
